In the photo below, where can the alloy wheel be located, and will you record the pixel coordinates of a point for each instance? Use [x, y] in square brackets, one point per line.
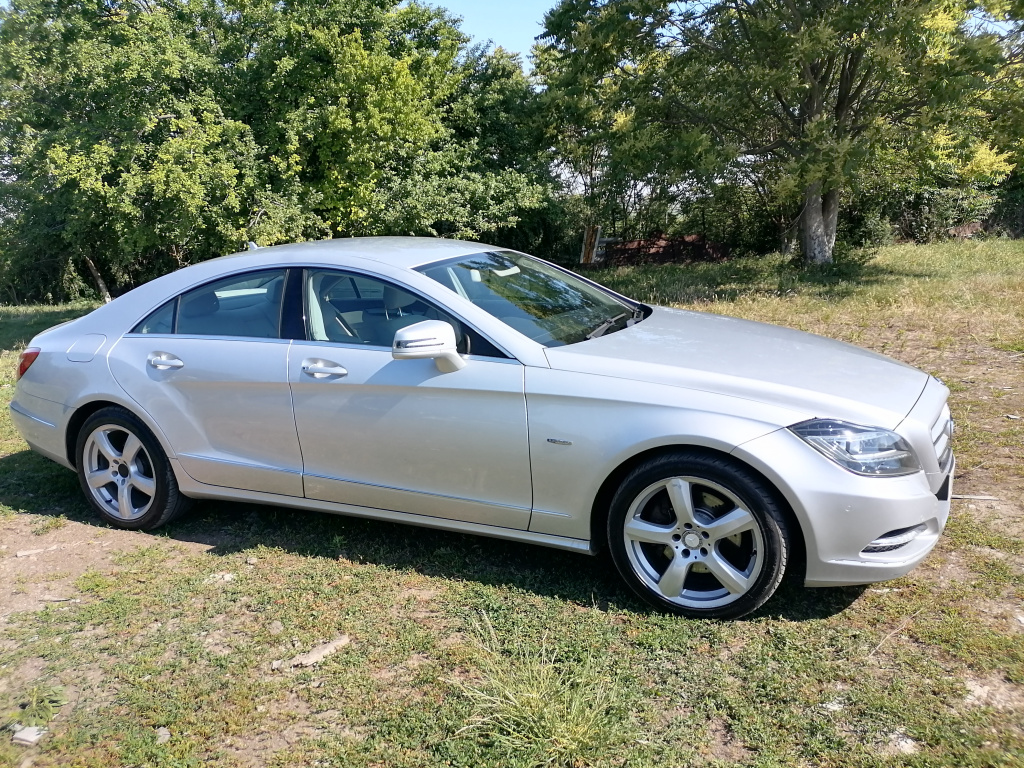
[119, 472]
[693, 542]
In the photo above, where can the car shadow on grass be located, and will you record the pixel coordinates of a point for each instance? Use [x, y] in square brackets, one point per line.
[31, 484]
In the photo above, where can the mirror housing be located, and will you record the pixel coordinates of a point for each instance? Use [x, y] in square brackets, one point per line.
[434, 339]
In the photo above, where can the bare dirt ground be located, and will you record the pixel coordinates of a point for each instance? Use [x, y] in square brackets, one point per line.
[40, 569]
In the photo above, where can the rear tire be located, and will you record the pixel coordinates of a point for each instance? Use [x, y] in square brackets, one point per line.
[124, 472]
[698, 535]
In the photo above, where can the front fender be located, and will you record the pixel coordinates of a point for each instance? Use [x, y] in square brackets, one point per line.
[583, 427]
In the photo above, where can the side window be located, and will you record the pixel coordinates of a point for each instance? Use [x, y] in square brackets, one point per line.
[240, 305]
[355, 309]
[160, 320]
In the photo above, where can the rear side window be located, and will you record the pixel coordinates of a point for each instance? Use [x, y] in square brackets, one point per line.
[240, 305]
[160, 321]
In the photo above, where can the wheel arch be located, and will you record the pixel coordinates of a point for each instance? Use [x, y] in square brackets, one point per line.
[603, 499]
[84, 410]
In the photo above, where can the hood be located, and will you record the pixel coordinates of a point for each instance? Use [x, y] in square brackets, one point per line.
[811, 375]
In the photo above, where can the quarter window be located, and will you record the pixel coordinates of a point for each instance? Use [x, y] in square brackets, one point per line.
[160, 321]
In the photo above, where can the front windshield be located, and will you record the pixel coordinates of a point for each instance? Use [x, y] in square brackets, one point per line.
[549, 305]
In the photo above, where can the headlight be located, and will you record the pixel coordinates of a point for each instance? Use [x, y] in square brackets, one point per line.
[863, 450]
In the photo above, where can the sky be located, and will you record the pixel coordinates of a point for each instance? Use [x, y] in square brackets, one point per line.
[512, 24]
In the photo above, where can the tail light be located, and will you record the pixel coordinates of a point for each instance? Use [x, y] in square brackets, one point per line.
[26, 359]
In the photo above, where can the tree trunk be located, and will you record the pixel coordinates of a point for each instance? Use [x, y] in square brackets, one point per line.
[100, 285]
[830, 212]
[590, 237]
[818, 224]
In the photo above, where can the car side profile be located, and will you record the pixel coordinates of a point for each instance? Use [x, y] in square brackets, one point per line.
[467, 387]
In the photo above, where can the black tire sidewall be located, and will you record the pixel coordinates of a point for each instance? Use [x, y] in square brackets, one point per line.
[731, 476]
[162, 472]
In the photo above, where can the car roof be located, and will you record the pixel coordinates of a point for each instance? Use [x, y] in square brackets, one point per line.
[402, 252]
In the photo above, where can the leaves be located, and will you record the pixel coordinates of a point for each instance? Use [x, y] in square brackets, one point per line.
[779, 97]
[39, 705]
[145, 137]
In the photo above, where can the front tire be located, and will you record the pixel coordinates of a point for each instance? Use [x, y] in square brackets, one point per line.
[698, 535]
[124, 472]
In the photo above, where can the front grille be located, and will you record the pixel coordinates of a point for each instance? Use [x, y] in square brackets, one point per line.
[942, 434]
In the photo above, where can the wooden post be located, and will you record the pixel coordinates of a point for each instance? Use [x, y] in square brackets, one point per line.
[590, 237]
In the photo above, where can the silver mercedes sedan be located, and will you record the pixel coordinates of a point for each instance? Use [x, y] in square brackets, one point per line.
[462, 386]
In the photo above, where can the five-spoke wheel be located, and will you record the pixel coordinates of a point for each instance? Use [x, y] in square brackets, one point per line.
[698, 535]
[124, 472]
[119, 472]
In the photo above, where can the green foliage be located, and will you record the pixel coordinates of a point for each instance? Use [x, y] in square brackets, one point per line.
[144, 137]
[118, 148]
[1008, 215]
[795, 102]
[39, 705]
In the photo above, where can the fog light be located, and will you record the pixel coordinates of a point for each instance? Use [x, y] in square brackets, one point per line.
[895, 539]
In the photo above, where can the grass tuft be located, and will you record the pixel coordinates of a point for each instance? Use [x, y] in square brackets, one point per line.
[50, 524]
[546, 710]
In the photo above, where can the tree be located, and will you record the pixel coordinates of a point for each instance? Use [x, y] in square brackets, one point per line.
[116, 147]
[143, 135]
[621, 167]
[801, 92]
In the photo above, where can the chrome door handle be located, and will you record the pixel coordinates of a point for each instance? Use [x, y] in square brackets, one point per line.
[163, 361]
[322, 368]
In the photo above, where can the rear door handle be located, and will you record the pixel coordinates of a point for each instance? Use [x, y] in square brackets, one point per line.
[320, 369]
[163, 361]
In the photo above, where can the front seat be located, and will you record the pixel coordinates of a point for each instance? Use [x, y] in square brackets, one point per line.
[380, 325]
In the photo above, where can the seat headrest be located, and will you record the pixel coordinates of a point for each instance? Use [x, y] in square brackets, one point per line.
[396, 298]
[327, 282]
[199, 306]
[275, 289]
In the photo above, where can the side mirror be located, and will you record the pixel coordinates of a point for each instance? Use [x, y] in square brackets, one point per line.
[433, 339]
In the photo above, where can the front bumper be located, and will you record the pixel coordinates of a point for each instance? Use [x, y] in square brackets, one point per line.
[841, 514]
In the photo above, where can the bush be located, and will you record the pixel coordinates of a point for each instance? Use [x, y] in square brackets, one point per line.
[928, 214]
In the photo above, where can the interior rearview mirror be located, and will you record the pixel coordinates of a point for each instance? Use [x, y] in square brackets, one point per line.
[433, 339]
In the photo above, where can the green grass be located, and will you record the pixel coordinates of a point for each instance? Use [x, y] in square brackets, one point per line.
[19, 324]
[543, 710]
[472, 652]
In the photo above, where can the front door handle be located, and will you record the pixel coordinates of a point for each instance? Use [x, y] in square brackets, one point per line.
[320, 369]
[164, 361]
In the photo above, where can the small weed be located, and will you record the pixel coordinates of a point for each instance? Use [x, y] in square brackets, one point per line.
[1012, 345]
[94, 582]
[50, 524]
[966, 531]
[151, 555]
[39, 705]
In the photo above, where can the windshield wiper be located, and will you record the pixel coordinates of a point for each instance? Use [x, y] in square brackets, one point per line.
[606, 325]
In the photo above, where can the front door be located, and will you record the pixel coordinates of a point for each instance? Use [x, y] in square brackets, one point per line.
[399, 434]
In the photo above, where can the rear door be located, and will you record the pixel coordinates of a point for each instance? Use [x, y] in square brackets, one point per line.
[211, 369]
